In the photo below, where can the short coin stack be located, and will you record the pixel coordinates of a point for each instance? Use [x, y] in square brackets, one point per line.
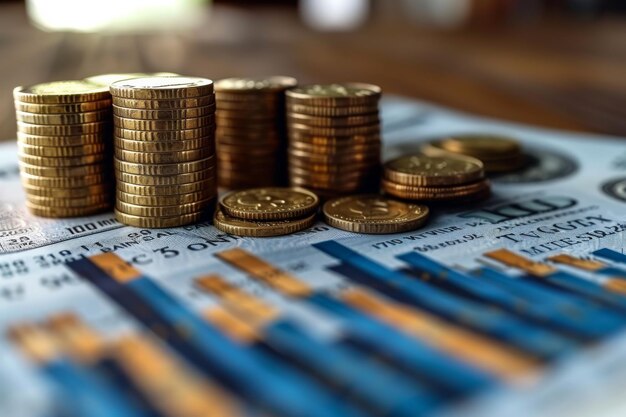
[334, 137]
[450, 178]
[251, 133]
[374, 214]
[499, 154]
[164, 150]
[64, 142]
[264, 212]
[108, 79]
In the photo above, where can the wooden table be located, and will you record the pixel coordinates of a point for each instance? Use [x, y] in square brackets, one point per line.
[569, 75]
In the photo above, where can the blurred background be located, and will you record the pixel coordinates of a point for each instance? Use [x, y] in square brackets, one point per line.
[555, 63]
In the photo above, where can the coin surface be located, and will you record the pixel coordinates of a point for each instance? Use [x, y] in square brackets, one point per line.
[347, 94]
[169, 114]
[159, 222]
[61, 92]
[56, 141]
[164, 135]
[269, 203]
[69, 161]
[87, 106]
[164, 169]
[63, 119]
[334, 131]
[61, 151]
[173, 124]
[70, 171]
[63, 130]
[476, 145]
[175, 87]
[375, 214]
[163, 211]
[332, 111]
[326, 121]
[173, 104]
[409, 192]
[66, 202]
[150, 180]
[206, 142]
[67, 192]
[242, 227]
[163, 157]
[424, 170]
[167, 190]
[166, 200]
[247, 85]
[83, 181]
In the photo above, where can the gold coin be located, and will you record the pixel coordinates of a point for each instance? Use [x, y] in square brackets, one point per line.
[108, 79]
[372, 155]
[269, 203]
[64, 202]
[158, 222]
[63, 119]
[184, 103]
[72, 161]
[374, 147]
[60, 151]
[56, 141]
[423, 170]
[373, 129]
[274, 84]
[162, 88]
[170, 200]
[207, 142]
[343, 122]
[328, 140]
[149, 180]
[163, 157]
[332, 111]
[481, 145]
[170, 114]
[74, 171]
[410, 192]
[68, 192]
[374, 214]
[166, 190]
[165, 135]
[335, 95]
[248, 124]
[163, 211]
[84, 181]
[88, 106]
[61, 92]
[164, 169]
[62, 212]
[63, 130]
[151, 125]
[242, 227]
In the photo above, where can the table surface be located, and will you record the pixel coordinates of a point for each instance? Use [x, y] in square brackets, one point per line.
[560, 74]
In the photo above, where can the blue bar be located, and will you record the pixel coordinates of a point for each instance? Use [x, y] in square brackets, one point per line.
[381, 389]
[600, 321]
[611, 255]
[612, 272]
[588, 288]
[85, 395]
[258, 377]
[408, 353]
[528, 337]
[484, 289]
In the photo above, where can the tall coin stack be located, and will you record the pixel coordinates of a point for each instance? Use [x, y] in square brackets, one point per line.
[64, 142]
[164, 150]
[334, 137]
[251, 133]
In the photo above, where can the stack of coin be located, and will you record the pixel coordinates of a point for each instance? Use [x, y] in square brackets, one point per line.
[164, 150]
[499, 154]
[334, 137]
[373, 214]
[64, 142]
[449, 178]
[251, 139]
[264, 212]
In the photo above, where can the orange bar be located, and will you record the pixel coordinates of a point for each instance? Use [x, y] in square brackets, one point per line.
[243, 332]
[489, 355]
[80, 341]
[278, 279]
[584, 264]
[115, 267]
[34, 342]
[514, 260]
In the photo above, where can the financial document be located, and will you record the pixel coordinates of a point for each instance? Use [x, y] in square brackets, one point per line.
[569, 200]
